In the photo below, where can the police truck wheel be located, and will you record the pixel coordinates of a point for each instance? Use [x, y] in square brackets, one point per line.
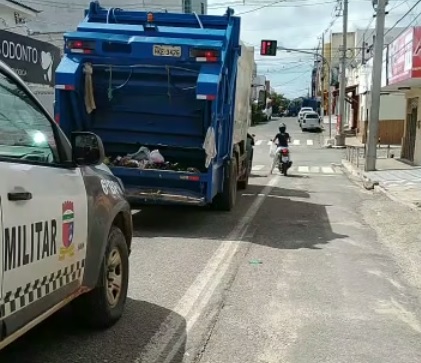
[103, 306]
[225, 201]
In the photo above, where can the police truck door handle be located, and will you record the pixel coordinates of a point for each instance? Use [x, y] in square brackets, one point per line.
[19, 196]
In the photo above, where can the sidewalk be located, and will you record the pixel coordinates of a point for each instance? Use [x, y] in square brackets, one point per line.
[399, 181]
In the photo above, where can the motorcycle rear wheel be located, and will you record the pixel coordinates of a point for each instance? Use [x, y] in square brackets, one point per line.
[284, 169]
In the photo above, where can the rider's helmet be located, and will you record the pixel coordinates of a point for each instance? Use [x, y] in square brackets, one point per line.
[282, 128]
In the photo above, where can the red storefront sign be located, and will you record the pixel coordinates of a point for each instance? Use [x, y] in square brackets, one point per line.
[400, 57]
[416, 55]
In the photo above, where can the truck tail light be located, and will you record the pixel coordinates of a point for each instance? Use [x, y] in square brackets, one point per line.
[205, 55]
[80, 46]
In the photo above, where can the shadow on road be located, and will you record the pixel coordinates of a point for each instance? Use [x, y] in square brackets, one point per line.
[50, 341]
[281, 222]
[286, 223]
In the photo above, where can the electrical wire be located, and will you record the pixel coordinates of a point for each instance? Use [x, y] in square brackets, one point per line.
[360, 43]
[405, 29]
[292, 80]
[403, 17]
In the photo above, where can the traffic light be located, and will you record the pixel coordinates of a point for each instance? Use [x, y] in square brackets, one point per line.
[268, 47]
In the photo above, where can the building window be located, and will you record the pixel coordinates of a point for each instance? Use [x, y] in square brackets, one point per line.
[187, 6]
[202, 8]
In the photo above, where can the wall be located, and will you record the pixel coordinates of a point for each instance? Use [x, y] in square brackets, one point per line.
[327, 52]
[336, 43]
[8, 21]
[59, 16]
[200, 6]
[392, 110]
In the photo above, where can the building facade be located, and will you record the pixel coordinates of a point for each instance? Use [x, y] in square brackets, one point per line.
[33, 60]
[358, 85]
[404, 77]
[14, 15]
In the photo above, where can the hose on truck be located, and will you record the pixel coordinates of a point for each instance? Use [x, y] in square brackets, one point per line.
[89, 88]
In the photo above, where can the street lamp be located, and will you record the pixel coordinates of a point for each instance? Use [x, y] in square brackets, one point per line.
[329, 98]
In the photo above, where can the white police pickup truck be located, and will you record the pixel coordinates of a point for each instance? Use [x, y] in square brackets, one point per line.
[65, 226]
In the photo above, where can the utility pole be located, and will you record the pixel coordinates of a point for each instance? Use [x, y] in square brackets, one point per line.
[340, 137]
[322, 79]
[373, 122]
[363, 50]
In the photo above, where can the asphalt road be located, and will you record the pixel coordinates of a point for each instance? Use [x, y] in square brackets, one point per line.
[295, 274]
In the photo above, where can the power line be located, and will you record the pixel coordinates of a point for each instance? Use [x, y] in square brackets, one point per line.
[292, 80]
[360, 43]
[403, 17]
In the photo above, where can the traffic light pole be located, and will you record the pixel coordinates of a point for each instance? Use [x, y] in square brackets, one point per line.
[329, 98]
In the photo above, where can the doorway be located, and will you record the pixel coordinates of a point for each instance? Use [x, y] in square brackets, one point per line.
[408, 147]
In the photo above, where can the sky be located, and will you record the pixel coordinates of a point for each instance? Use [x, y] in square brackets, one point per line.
[300, 24]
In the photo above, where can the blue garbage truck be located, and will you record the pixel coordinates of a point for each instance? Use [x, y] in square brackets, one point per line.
[170, 96]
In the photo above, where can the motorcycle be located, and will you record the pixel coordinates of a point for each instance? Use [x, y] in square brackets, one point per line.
[282, 160]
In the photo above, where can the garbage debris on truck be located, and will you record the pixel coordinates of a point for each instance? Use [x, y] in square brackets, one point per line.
[146, 159]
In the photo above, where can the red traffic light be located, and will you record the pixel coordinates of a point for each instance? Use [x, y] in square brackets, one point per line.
[268, 47]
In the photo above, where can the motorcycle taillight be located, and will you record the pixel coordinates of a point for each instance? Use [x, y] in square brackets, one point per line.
[285, 152]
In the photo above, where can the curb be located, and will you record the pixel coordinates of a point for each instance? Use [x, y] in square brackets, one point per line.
[397, 200]
[351, 170]
[369, 184]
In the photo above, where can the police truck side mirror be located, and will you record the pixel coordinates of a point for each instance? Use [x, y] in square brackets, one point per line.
[87, 148]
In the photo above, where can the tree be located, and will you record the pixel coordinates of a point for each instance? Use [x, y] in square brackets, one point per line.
[279, 102]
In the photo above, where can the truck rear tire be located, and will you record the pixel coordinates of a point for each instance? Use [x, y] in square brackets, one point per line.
[103, 306]
[225, 201]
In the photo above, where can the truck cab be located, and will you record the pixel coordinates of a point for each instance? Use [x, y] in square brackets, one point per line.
[61, 218]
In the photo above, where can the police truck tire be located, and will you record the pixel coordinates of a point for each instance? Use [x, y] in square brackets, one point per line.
[103, 306]
[225, 201]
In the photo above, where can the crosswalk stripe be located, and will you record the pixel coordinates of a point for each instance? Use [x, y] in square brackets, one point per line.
[257, 167]
[327, 170]
[295, 142]
[303, 169]
[314, 169]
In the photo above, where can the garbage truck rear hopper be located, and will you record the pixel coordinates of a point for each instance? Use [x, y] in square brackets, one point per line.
[169, 94]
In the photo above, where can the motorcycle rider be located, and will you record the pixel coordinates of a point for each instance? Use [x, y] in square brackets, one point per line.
[281, 140]
[282, 137]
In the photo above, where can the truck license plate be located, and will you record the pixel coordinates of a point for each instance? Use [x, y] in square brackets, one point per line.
[166, 51]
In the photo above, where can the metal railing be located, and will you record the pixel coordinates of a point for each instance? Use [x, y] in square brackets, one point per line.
[356, 154]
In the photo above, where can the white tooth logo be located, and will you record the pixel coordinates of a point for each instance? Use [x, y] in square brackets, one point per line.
[47, 65]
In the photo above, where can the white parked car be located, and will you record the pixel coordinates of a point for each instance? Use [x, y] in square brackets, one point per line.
[301, 113]
[310, 121]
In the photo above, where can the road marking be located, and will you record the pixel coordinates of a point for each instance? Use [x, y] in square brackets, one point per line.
[200, 292]
[296, 142]
[269, 143]
[314, 169]
[327, 170]
[258, 142]
[257, 167]
[309, 142]
[303, 169]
